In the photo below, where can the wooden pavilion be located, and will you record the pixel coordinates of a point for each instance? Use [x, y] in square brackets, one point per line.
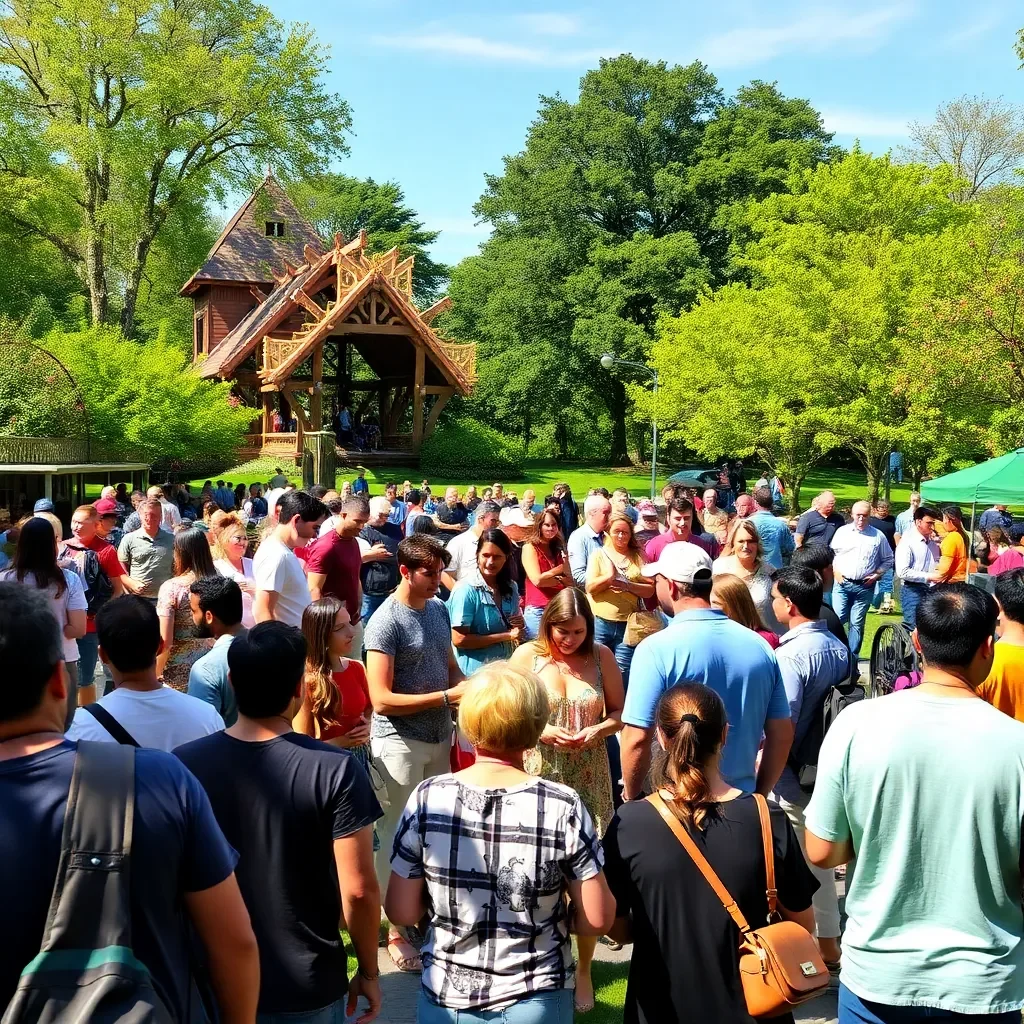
[280, 315]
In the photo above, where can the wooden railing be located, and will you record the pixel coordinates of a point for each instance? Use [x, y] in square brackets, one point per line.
[276, 351]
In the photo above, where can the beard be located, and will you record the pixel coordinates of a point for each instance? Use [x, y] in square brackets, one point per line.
[203, 631]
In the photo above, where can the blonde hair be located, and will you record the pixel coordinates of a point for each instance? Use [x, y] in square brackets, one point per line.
[751, 531]
[221, 528]
[58, 529]
[503, 709]
[734, 597]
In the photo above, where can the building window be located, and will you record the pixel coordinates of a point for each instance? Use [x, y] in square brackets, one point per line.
[275, 229]
[200, 340]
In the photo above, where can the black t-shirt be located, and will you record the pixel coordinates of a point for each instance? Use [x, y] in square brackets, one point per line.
[886, 526]
[685, 963]
[381, 577]
[177, 848]
[452, 516]
[818, 529]
[282, 803]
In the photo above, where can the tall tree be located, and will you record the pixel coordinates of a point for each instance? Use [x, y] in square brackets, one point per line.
[114, 116]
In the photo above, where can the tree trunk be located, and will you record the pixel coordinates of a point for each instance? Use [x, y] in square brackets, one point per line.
[615, 399]
[526, 433]
[96, 278]
[793, 489]
[562, 439]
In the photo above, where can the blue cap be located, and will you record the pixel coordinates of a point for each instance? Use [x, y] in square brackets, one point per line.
[43, 505]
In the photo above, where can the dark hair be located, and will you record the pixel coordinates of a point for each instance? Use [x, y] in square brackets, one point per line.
[36, 553]
[1010, 594]
[814, 556]
[301, 504]
[700, 589]
[421, 551]
[487, 507]
[1017, 533]
[763, 497]
[680, 504]
[415, 496]
[564, 607]
[924, 510]
[129, 632]
[536, 538]
[192, 554]
[802, 586]
[508, 572]
[953, 621]
[953, 511]
[220, 595]
[318, 491]
[424, 524]
[356, 503]
[31, 648]
[334, 506]
[692, 718]
[266, 664]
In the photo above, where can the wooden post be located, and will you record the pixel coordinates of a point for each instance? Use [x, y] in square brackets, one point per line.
[316, 399]
[267, 414]
[417, 399]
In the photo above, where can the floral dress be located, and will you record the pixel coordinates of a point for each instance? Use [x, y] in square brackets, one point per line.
[188, 646]
[586, 771]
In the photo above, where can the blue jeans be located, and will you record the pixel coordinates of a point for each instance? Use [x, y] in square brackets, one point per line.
[88, 656]
[850, 602]
[371, 602]
[854, 1010]
[910, 597]
[613, 636]
[882, 587]
[532, 614]
[555, 1007]
[334, 1013]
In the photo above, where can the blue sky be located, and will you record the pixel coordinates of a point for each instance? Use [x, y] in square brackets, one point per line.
[440, 89]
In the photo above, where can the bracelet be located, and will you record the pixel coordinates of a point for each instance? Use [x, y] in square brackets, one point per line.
[444, 699]
[368, 977]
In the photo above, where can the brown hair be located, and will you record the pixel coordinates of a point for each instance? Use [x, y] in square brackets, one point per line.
[692, 719]
[192, 554]
[735, 599]
[87, 510]
[564, 607]
[421, 551]
[317, 626]
[997, 535]
[750, 529]
[636, 553]
[536, 538]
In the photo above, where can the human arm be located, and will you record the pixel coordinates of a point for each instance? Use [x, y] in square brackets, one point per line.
[360, 905]
[600, 573]
[75, 606]
[464, 604]
[778, 740]
[578, 557]
[531, 565]
[167, 636]
[380, 669]
[264, 604]
[614, 698]
[316, 581]
[635, 752]
[949, 552]
[377, 553]
[802, 525]
[76, 624]
[595, 906]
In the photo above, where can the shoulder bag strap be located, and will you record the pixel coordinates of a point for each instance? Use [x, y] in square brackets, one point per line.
[700, 860]
[111, 724]
[769, 853]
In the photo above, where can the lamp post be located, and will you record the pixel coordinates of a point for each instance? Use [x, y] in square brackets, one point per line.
[609, 360]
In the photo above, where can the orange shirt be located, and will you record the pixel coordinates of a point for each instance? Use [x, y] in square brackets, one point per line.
[1004, 687]
[953, 563]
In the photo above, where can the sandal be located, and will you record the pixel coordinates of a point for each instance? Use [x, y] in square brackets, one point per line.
[403, 955]
[584, 1007]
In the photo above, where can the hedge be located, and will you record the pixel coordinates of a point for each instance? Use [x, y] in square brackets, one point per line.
[471, 450]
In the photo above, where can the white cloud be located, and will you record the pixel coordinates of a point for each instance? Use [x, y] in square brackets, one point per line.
[550, 24]
[969, 32]
[865, 124]
[817, 31]
[455, 44]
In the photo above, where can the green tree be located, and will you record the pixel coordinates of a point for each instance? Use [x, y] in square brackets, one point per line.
[112, 117]
[338, 202]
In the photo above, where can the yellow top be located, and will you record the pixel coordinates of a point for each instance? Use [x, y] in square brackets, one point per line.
[612, 605]
[953, 563]
[1004, 688]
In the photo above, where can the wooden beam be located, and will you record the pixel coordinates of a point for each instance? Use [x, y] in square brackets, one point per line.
[417, 397]
[297, 410]
[316, 399]
[258, 294]
[437, 389]
[309, 305]
[311, 254]
[439, 403]
[439, 307]
[395, 329]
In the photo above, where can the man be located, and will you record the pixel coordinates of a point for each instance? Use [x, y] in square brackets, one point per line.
[106, 522]
[952, 567]
[452, 516]
[745, 506]
[378, 575]
[929, 782]
[84, 538]
[862, 556]
[333, 562]
[359, 485]
[225, 496]
[216, 606]
[647, 527]
[264, 780]
[140, 710]
[278, 480]
[702, 645]
[819, 558]
[415, 509]
[917, 556]
[679, 519]
[1004, 687]
[997, 515]
[177, 849]
[819, 522]
[621, 503]
[885, 523]
[906, 518]
[462, 549]
[589, 537]
[133, 521]
[776, 540]
[282, 592]
[811, 661]
[738, 478]
[398, 509]
[171, 515]
[521, 514]
[716, 520]
[726, 495]
[414, 682]
[148, 553]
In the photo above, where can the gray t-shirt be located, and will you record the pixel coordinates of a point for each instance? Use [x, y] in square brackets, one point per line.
[419, 642]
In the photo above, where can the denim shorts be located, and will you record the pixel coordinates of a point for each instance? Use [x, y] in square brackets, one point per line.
[554, 1007]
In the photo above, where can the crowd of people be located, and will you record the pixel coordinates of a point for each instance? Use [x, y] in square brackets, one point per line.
[482, 720]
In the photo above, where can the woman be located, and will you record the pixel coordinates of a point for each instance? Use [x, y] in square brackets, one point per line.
[484, 606]
[616, 588]
[1013, 556]
[255, 506]
[546, 565]
[228, 545]
[35, 565]
[730, 594]
[685, 964]
[998, 543]
[502, 952]
[585, 698]
[742, 557]
[183, 643]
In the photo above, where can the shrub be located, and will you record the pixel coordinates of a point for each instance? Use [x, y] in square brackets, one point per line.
[468, 449]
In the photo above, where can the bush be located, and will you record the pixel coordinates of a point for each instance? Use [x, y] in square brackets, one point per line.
[467, 449]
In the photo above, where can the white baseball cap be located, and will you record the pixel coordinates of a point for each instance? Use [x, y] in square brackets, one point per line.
[681, 562]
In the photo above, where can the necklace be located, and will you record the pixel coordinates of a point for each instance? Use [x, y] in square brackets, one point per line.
[950, 686]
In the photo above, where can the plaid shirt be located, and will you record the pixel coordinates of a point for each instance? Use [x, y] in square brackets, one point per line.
[496, 863]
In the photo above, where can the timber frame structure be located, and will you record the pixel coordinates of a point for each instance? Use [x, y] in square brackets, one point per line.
[299, 333]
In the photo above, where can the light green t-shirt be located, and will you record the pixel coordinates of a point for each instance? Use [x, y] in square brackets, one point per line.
[931, 792]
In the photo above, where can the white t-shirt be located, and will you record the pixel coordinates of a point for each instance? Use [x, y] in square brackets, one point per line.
[170, 517]
[328, 525]
[276, 567]
[225, 568]
[463, 551]
[73, 599]
[162, 719]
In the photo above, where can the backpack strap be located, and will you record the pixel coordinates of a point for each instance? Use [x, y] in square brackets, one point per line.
[120, 734]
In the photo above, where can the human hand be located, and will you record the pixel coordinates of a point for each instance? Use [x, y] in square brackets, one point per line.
[246, 585]
[379, 551]
[556, 736]
[370, 991]
[516, 621]
[358, 735]
[455, 692]
[514, 634]
[619, 585]
[589, 736]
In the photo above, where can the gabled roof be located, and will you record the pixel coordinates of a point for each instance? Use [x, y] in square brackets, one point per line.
[244, 253]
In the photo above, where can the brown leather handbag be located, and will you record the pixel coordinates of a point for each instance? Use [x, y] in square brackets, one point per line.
[780, 966]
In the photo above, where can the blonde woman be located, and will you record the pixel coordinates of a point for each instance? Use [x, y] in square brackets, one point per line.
[743, 557]
[616, 588]
[229, 543]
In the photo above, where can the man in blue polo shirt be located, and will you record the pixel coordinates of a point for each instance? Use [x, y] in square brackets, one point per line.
[702, 645]
[776, 540]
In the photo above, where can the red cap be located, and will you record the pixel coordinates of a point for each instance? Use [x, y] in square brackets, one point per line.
[106, 507]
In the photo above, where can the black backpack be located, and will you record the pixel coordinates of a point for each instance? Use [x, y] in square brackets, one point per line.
[837, 697]
[86, 972]
[98, 588]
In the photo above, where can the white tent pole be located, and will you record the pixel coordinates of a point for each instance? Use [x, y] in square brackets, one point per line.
[970, 546]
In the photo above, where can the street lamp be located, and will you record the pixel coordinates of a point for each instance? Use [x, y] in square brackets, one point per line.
[609, 360]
